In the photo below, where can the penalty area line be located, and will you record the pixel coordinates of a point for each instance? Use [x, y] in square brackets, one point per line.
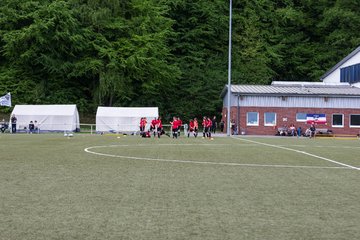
[298, 151]
[201, 162]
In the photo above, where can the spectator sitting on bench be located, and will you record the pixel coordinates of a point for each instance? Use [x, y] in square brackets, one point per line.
[312, 130]
[3, 126]
[292, 130]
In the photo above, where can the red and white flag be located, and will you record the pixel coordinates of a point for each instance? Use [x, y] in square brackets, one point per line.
[316, 119]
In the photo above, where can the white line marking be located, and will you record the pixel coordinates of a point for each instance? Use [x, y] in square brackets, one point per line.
[320, 146]
[196, 162]
[298, 151]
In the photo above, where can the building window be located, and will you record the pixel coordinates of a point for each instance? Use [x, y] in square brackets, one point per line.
[354, 120]
[338, 120]
[350, 74]
[301, 117]
[252, 119]
[269, 119]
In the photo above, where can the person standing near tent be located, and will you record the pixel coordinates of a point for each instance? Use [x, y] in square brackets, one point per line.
[3, 126]
[153, 126]
[36, 127]
[13, 123]
[142, 125]
[31, 127]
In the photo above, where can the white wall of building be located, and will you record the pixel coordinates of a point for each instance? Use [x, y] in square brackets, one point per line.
[334, 77]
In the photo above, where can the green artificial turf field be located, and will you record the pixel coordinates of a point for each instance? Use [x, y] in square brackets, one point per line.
[105, 187]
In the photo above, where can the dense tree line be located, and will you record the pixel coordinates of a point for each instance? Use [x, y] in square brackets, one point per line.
[167, 53]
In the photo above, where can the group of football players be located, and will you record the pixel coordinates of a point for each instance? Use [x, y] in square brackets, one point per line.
[156, 127]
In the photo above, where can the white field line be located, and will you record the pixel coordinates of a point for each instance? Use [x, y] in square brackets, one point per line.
[298, 151]
[317, 146]
[88, 150]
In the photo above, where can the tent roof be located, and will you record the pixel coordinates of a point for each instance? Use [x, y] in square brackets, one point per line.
[127, 112]
[59, 110]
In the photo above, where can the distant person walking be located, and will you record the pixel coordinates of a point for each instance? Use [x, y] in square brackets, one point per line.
[222, 125]
[213, 125]
[13, 123]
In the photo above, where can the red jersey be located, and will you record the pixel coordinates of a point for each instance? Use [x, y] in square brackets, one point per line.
[192, 125]
[175, 124]
[143, 122]
[204, 122]
[154, 122]
[159, 123]
[208, 123]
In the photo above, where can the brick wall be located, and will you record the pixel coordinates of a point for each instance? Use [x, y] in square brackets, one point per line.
[290, 115]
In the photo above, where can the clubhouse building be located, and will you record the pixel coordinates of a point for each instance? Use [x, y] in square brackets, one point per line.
[332, 104]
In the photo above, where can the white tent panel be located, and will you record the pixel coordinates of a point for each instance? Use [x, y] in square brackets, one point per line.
[123, 119]
[48, 117]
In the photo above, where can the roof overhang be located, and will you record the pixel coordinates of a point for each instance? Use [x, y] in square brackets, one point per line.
[339, 64]
[293, 90]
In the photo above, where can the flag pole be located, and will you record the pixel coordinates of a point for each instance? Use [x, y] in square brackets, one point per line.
[229, 72]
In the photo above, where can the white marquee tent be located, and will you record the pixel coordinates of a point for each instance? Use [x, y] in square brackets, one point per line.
[123, 119]
[48, 117]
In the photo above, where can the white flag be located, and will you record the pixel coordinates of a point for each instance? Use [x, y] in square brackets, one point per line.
[5, 100]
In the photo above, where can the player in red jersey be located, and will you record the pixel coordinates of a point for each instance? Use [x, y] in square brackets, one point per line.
[153, 126]
[191, 127]
[174, 127]
[159, 127]
[179, 125]
[205, 130]
[208, 127]
[142, 125]
[196, 127]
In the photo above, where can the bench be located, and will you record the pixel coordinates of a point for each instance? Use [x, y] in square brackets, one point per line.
[323, 132]
[282, 131]
[346, 136]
